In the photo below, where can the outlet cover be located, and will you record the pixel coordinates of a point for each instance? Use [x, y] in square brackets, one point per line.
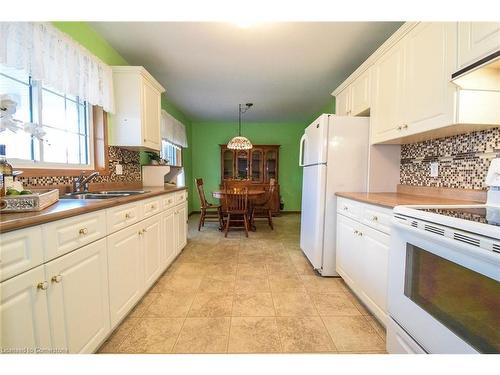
[434, 169]
[119, 169]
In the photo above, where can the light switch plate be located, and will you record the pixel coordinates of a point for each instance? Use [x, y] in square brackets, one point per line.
[434, 169]
[119, 169]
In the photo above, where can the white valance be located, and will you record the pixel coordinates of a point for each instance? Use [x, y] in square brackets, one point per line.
[52, 57]
[172, 130]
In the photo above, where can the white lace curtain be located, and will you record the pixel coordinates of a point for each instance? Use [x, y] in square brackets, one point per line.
[52, 57]
[172, 130]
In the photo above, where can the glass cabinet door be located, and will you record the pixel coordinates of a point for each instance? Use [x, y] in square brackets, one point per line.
[242, 165]
[271, 164]
[257, 166]
[228, 164]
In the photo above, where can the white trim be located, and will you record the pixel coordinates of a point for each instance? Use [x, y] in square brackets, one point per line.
[141, 70]
[393, 39]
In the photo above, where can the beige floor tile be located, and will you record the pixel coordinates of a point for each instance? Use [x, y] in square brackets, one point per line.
[141, 307]
[211, 305]
[254, 335]
[283, 268]
[183, 283]
[112, 344]
[363, 310]
[152, 335]
[203, 335]
[220, 268]
[335, 304]
[323, 285]
[251, 283]
[294, 304]
[379, 328]
[253, 304]
[353, 334]
[217, 283]
[304, 335]
[285, 283]
[188, 268]
[170, 304]
[249, 269]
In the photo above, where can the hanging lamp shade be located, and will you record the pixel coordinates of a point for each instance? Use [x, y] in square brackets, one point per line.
[239, 142]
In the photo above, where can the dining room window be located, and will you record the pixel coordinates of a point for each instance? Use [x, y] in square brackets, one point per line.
[65, 120]
[172, 153]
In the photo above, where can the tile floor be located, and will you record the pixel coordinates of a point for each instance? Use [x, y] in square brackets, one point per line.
[239, 295]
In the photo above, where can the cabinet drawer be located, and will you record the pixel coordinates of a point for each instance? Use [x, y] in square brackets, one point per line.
[180, 196]
[349, 208]
[377, 217]
[150, 207]
[122, 216]
[20, 250]
[168, 201]
[62, 236]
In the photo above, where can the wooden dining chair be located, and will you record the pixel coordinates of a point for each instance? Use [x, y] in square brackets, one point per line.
[236, 209]
[208, 210]
[236, 184]
[263, 208]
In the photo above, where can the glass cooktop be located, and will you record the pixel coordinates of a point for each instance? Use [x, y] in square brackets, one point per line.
[485, 215]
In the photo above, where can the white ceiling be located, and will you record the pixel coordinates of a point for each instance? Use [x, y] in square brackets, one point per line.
[288, 70]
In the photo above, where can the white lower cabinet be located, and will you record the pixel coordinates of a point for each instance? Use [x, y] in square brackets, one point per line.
[78, 299]
[24, 313]
[126, 271]
[363, 254]
[90, 280]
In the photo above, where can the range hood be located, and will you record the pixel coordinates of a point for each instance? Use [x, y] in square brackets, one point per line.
[482, 75]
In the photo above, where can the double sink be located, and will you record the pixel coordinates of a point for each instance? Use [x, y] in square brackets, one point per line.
[102, 194]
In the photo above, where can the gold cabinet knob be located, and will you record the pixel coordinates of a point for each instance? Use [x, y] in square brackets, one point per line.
[346, 208]
[400, 127]
[405, 126]
[43, 285]
[153, 206]
[56, 278]
[83, 231]
[144, 231]
[127, 216]
[374, 218]
[356, 232]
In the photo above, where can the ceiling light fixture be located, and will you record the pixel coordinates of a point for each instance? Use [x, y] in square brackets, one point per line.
[239, 142]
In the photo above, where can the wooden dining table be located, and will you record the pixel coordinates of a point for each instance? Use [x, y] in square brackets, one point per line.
[252, 196]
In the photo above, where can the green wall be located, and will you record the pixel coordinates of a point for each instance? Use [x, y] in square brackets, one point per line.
[205, 140]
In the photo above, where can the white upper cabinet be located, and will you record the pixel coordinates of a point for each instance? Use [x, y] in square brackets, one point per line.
[387, 94]
[360, 94]
[430, 59]
[343, 102]
[477, 40]
[136, 121]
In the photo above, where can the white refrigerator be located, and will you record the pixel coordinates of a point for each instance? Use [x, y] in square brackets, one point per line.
[334, 157]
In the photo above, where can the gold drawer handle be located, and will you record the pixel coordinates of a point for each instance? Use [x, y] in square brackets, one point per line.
[43, 285]
[374, 218]
[140, 233]
[346, 208]
[56, 279]
[83, 231]
[144, 231]
[153, 206]
[127, 216]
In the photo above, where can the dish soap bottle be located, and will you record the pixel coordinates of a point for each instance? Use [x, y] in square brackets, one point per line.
[6, 172]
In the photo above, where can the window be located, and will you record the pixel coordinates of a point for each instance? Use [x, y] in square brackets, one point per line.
[65, 119]
[171, 152]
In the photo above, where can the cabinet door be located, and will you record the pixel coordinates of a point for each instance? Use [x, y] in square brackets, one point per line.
[227, 164]
[151, 116]
[360, 94]
[242, 164]
[78, 298]
[125, 271]
[477, 40]
[257, 166]
[169, 243]
[343, 102]
[387, 89]
[375, 255]
[24, 314]
[347, 257]
[152, 245]
[271, 165]
[430, 60]
[181, 226]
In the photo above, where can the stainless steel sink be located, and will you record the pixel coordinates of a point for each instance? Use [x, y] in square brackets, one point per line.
[102, 194]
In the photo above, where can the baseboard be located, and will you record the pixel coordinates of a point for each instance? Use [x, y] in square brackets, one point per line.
[281, 212]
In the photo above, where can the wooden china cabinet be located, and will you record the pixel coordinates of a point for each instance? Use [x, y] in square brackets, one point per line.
[257, 165]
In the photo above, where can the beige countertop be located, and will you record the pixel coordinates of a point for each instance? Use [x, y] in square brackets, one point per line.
[392, 200]
[71, 207]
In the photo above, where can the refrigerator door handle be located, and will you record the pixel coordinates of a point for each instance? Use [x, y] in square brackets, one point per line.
[301, 152]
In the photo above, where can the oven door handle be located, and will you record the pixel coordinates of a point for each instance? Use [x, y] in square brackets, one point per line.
[459, 246]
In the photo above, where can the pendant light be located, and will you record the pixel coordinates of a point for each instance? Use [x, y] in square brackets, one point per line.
[240, 142]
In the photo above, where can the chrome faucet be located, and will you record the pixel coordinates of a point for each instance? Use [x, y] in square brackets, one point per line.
[81, 183]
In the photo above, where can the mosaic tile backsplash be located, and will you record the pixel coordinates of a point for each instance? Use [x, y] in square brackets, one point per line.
[463, 160]
[129, 160]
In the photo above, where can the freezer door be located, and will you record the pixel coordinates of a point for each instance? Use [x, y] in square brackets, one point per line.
[314, 144]
[313, 212]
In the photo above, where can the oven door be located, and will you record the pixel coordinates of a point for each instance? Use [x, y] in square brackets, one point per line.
[444, 293]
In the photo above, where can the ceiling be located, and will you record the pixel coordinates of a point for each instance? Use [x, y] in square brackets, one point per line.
[287, 69]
